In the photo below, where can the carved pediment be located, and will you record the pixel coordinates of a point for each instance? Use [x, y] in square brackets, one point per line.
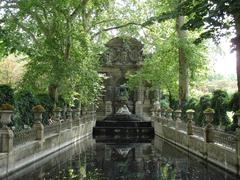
[123, 51]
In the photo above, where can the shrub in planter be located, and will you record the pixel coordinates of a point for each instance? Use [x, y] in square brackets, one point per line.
[6, 94]
[47, 103]
[219, 103]
[204, 103]
[24, 102]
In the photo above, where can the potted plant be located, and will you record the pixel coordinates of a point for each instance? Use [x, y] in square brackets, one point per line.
[6, 111]
[38, 110]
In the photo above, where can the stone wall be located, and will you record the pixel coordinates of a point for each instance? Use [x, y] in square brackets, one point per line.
[219, 152]
[29, 152]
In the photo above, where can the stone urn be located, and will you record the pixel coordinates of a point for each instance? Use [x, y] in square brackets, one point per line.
[57, 113]
[169, 112]
[209, 113]
[190, 115]
[6, 117]
[38, 110]
[6, 112]
[77, 114]
[178, 114]
[69, 113]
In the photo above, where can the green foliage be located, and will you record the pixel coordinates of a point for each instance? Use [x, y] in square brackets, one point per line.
[6, 94]
[56, 36]
[219, 15]
[204, 103]
[24, 102]
[47, 103]
[234, 106]
[219, 103]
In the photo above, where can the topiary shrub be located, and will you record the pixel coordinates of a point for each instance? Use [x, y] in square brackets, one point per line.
[219, 103]
[24, 102]
[6, 94]
[204, 103]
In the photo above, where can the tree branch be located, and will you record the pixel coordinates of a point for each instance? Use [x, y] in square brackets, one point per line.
[78, 8]
[117, 27]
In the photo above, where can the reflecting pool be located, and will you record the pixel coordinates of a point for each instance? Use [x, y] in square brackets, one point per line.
[113, 161]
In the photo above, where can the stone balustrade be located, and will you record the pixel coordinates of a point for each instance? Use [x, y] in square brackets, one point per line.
[218, 147]
[21, 148]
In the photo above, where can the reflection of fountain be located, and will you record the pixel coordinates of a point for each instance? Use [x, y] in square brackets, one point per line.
[124, 151]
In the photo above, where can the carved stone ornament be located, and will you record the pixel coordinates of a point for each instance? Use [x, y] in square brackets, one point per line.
[123, 51]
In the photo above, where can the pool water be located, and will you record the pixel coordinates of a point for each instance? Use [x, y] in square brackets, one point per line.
[153, 160]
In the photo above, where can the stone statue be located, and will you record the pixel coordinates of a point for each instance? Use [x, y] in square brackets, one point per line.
[124, 110]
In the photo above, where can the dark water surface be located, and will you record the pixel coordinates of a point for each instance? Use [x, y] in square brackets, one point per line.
[108, 161]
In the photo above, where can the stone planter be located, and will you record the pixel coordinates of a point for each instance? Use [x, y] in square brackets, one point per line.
[69, 113]
[190, 115]
[57, 114]
[38, 116]
[209, 117]
[209, 127]
[178, 115]
[6, 117]
[77, 114]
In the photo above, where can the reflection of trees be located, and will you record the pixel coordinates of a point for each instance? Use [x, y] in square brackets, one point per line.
[168, 172]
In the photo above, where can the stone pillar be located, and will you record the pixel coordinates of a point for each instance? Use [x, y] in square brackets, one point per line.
[139, 108]
[108, 108]
[69, 117]
[178, 114]
[6, 134]
[6, 140]
[57, 117]
[209, 129]
[140, 94]
[190, 114]
[238, 148]
[39, 128]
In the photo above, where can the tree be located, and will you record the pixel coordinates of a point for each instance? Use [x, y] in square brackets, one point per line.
[55, 35]
[217, 18]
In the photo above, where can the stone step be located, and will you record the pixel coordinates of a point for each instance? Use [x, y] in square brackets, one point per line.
[123, 124]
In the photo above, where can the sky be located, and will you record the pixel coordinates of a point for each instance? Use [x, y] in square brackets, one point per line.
[222, 59]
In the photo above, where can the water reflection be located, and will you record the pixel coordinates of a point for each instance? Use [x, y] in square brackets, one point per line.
[111, 161]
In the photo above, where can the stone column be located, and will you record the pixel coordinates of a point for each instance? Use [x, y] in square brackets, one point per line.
[6, 140]
[108, 108]
[209, 129]
[238, 148]
[178, 114]
[190, 114]
[6, 134]
[38, 126]
[139, 108]
[69, 117]
[77, 115]
[57, 117]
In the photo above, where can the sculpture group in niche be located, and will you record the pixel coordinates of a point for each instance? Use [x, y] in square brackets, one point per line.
[123, 51]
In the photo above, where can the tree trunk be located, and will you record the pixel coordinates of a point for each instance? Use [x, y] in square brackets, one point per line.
[53, 93]
[237, 43]
[183, 65]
